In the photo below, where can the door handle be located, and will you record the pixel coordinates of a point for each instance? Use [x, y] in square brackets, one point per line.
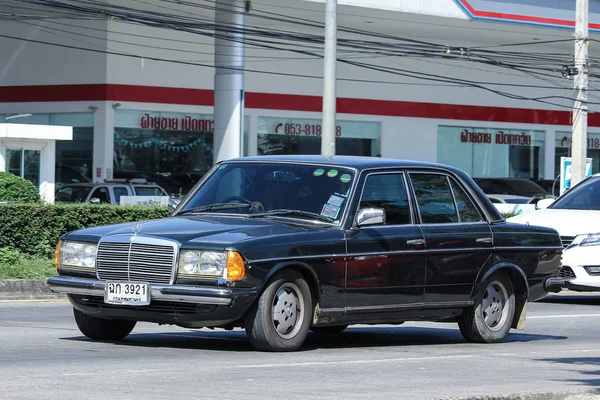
[415, 242]
[485, 240]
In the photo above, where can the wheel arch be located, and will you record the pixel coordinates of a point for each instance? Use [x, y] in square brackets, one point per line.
[307, 272]
[521, 289]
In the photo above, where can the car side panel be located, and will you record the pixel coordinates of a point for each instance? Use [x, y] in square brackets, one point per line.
[535, 250]
[322, 252]
[455, 255]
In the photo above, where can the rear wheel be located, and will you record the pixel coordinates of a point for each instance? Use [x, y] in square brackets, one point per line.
[329, 330]
[102, 329]
[280, 319]
[490, 318]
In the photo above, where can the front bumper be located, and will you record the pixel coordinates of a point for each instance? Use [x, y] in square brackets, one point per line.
[577, 258]
[172, 293]
[554, 284]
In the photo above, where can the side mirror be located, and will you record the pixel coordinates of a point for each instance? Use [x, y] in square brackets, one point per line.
[370, 216]
[95, 200]
[544, 203]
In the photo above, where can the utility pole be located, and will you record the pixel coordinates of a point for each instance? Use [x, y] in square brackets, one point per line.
[229, 79]
[329, 80]
[580, 108]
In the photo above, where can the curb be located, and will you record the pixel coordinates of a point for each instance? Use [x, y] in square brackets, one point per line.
[26, 289]
[583, 394]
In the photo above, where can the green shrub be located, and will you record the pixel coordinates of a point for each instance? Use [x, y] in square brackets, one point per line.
[34, 229]
[15, 188]
[507, 215]
[9, 256]
[26, 267]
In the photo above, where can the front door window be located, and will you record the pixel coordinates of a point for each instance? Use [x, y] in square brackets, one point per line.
[24, 163]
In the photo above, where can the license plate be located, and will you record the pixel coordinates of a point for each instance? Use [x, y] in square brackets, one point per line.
[127, 293]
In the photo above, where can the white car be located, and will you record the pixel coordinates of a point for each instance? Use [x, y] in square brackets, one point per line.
[576, 217]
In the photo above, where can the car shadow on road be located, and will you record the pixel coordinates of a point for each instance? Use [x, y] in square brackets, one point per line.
[579, 299]
[353, 337]
[589, 377]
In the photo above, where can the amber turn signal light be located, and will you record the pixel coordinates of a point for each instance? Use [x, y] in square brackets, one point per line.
[56, 255]
[236, 268]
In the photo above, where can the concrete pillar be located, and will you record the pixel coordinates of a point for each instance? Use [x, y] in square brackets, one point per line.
[229, 79]
[549, 155]
[104, 142]
[48, 171]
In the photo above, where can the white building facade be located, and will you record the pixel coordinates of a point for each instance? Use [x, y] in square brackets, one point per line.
[140, 98]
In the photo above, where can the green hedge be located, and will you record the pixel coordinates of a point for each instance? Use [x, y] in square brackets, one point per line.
[15, 188]
[35, 229]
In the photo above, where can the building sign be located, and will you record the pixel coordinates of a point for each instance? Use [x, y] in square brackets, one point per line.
[500, 137]
[492, 152]
[306, 129]
[300, 127]
[563, 139]
[185, 123]
[566, 165]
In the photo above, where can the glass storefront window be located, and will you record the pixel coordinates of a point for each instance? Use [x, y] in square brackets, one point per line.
[73, 157]
[303, 136]
[487, 152]
[563, 149]
[172, 149]
[24, 163]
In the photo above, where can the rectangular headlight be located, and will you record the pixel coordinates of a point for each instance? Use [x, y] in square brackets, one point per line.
[592, 239]
[78, 256]
[195, 264]
[228, 265]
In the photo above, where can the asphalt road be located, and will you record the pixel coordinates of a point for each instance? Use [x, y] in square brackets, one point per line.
[43, 356]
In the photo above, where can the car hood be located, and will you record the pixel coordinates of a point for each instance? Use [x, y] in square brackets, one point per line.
[566, 222]
[214, 231]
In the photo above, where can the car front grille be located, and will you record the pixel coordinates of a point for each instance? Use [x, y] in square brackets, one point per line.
[567, 273]
[567, 240]
[142, 259]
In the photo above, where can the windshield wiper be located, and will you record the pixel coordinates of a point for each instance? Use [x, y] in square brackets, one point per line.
[294, 212]
[214, 207]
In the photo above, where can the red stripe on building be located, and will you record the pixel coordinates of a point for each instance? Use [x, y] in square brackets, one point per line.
[285, 102]
[522, 18]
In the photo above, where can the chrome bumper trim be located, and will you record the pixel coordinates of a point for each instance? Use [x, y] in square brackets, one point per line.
[175, 293]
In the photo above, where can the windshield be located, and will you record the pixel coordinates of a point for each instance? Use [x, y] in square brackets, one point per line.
[263, 188]
[585, 196]
[73, 194]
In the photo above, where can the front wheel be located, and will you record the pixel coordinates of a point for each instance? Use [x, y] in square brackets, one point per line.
[102, 329]
[490, 318]
[280, 319]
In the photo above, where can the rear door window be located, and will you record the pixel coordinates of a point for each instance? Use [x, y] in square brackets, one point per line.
[434, 198]
[467, 210]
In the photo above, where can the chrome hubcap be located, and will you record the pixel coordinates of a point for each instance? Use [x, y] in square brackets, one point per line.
[288, 310]
[494, 307]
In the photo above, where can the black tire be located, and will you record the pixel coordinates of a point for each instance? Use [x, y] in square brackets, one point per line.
[102, 329]
[494, 291]
[289, 332]
[329, 330]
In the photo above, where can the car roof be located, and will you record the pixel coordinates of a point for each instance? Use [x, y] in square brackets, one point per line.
[357, 162]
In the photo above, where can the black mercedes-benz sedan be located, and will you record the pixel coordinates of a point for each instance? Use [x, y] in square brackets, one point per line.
[281, 245]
